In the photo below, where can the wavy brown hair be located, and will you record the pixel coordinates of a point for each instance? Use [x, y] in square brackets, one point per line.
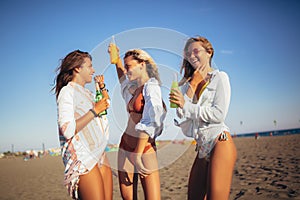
[186, 66]
[65, 72]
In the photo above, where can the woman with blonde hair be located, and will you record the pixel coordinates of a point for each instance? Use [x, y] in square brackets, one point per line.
[140, 87]
[203, 106]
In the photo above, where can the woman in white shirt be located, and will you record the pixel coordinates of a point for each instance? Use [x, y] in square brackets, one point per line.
[137, 151]
[83, 134]
[203, 104]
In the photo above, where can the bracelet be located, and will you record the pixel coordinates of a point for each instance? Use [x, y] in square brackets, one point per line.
[102, 87]
[95, 114]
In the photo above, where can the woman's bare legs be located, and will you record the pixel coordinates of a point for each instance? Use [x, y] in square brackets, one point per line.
[128, 180]
[220, 170]
[91, 185]
[128, 185]
[106, 173]
[151, 183]
[151, 186]
[197, 186]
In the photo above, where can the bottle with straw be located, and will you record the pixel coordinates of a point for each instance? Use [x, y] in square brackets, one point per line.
[174, 86]
[114, 57]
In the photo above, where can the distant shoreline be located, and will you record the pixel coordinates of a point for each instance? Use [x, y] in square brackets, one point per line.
[270, 133]
[291, 131]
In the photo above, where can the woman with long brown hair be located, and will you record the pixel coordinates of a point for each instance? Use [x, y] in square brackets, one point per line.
[203, 106]
[83, 133]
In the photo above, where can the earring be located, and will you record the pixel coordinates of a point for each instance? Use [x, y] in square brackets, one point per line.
[141, 66]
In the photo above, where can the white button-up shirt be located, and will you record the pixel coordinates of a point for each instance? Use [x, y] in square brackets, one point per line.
[83, 150]
[153, 113]
[204, 120]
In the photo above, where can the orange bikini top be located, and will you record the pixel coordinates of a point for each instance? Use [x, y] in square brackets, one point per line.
[137, 102]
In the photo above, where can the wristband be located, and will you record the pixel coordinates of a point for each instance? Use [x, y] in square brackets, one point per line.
[101, 88]
[104, 89]
[94, 113]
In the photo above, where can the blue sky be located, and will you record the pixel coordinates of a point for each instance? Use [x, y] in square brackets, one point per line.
[256, 43]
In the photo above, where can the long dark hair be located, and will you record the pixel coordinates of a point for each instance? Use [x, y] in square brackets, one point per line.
[65, 70]
[186, 66]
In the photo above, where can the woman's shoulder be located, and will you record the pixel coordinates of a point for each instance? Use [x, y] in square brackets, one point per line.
[217, 77]
[152, 81]
[66, 91]
[152, 85]
[221, 74]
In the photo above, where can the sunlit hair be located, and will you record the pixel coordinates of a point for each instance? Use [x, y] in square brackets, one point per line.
[65, 71]
[186, 66]
[142, 56]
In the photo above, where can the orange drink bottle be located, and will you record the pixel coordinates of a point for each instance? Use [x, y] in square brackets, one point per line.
[114, 57]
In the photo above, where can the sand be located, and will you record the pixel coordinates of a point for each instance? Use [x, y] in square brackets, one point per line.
[267, 168]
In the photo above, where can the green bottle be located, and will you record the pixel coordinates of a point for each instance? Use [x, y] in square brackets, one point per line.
[174, 86]
[98, 97]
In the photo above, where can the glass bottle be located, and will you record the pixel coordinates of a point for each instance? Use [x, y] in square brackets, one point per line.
[114, 57]
[174, 86]
[99, 96]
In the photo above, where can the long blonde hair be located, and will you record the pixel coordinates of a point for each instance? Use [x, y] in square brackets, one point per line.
[186, 66]
[142, 56]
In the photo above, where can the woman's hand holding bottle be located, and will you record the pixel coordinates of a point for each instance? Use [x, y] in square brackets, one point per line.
[113, 51]
[101, 105]
[176, 97]
[102, 97]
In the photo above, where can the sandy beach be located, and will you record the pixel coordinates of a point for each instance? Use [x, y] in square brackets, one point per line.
[267, 168]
